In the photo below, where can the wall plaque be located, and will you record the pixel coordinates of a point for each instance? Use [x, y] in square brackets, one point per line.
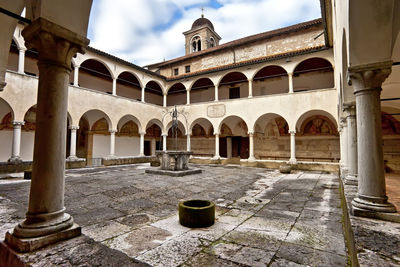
[216, 111]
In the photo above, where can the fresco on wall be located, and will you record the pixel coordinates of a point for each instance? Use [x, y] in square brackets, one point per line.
[129, 129]
[282, 125]
[6, 122]
[30, 120]
[100, 126]
[153, 131]
[318, 125]
[390, 126]
[225, 130]
[198, 131]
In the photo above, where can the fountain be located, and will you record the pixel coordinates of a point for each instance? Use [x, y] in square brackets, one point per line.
[174, 162]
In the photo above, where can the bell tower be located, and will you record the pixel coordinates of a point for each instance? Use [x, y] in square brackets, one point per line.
[201, 36]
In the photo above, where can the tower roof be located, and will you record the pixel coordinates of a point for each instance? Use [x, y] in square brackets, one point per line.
[202, 22]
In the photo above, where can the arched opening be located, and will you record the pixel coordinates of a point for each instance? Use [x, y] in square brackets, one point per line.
[127, 139]
[93, 74]
[202, 138]
[196, 44]
[313, 73]
[13, 57]
[270, 80]
[202, 91]
[211, 43]
[6, 130]
[176, 95]
[176, 140]
[271, 138]
[153, 93]
[129, 86]
[233, 85]
[233, 138]
[317, 137]
[153, 140]
[93, 141]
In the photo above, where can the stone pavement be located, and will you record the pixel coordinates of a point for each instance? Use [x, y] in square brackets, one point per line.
[264, 218]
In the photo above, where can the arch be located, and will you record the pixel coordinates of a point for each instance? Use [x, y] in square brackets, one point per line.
[128, 85]
[323, 115]
[127, 72]
[5, 109]
[176, 94]
[154, 121]
[271, 79]
[154, 93]
[232, 123]
[95, 74]
[313, 73]
[202, 90]
[181, 126]
[203, 122]
[105, 64]
[233, 85]
[30, 119]
[195, 43]
[271, 124]
[94, 115]
[127, 118]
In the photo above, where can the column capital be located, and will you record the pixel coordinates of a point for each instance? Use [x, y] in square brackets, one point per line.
[112, 131]
[349, 110]
[18, 123]
[369, 76]
[48, 37]
[250, 133]
[22, 49]
[216, 133]
[292, 132]
[142, 133]
[343, 122]
[73, 127]
[164, 134]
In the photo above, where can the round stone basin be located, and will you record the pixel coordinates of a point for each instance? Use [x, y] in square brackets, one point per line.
[196, 213]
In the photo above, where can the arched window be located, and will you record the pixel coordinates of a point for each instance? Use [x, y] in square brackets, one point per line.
[211, 42]
[196, 44]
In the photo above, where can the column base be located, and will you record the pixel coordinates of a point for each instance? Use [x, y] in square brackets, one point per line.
[29, 244]
[350, 180]
[216, 157]
[292, 161]
[72, 158]
[363, 204]
[251, 159]
[15, 160]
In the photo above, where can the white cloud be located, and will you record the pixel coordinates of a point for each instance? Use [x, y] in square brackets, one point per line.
[147, 31]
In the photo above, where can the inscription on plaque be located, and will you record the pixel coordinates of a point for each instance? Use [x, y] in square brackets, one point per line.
[216, 111]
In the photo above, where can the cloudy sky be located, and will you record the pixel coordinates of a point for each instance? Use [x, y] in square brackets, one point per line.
[148, 31]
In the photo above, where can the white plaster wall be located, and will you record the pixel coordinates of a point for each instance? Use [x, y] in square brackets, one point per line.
[101, 146]
[127, 146]
[5, 145]
[27, 141]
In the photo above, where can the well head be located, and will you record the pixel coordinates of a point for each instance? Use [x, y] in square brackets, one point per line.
[196, 213]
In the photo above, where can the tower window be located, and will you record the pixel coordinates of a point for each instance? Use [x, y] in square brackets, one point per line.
[211, 42]
[187, 68]
[176, 71]
[196, 44]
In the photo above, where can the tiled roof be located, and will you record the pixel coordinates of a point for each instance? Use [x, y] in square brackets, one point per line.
[242, 41]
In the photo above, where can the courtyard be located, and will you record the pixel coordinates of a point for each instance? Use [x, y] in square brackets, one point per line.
[263, 218]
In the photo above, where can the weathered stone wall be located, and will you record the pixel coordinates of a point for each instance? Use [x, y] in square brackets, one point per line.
[318, 148]
[203, 146]
[271, 148]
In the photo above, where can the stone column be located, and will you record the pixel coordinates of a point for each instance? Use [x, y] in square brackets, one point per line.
[164, 100]
[46, 220]
[367, 81]
[76, 76]
[114, 86]
[188, 142]
[141, 150]
[72, 148]
[216, 93]
[350, 113]
[143, 91]
[216, 156]
[229, 147]
[187, 97]
[153, 146]
[343, 147]
[112, 142]
[292, 159]
[250, 88]
[251, 144]
[16, 143]
[164, 142]
[290, 76]
[21, 61]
